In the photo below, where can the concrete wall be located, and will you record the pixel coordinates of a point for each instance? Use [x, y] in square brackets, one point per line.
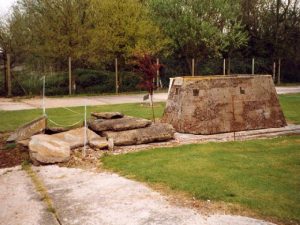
[217, 104]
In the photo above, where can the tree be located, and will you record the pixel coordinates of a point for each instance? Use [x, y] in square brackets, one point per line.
[147, 68]
[196, 27]
[123, 29]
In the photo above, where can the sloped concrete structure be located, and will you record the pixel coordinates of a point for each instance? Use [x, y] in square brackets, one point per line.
[218, 104]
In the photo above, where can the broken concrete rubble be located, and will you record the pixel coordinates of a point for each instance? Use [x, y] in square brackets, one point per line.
[29, 129]
[107, 115]
[75, 138]
[120, 124]
[45, 148]
[154, 132]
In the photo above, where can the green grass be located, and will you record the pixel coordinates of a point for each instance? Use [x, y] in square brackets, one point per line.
[261, 175]
[291, 107]
[10, 120]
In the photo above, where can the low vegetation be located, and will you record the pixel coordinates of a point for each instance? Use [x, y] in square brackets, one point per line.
[261, 175]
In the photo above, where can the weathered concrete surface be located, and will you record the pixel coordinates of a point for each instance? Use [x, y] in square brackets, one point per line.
[82, 197]
[75, 138]
[219, 104]
[29, 129]
[48, 149]
[125, 123]
[107, 115]
[20, 203]
[153, 133]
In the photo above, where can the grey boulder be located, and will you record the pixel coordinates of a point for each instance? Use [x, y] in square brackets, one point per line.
[125, 123]
[48, 149]
[107, 115]
[154, 133]
[75, 138]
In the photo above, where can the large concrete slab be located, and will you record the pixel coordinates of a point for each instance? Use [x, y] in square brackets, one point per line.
[83, 197]
[20, 203]
[219, 104]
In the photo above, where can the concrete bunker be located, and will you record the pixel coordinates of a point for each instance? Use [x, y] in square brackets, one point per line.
[219, 104]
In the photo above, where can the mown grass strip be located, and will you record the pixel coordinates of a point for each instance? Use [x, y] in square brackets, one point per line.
[261, 175]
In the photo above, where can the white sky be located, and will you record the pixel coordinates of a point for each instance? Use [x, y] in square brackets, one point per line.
[5, 6]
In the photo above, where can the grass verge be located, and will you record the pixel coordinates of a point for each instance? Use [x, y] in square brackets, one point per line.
[260, 175]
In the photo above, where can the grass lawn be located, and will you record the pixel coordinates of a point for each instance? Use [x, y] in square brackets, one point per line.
[261, 175]
[10, 120]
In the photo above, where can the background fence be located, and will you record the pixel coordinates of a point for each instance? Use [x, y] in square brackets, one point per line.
[27, 81]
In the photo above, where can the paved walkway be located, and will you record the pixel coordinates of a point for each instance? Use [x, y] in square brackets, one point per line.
[34, 103]
[90, 198]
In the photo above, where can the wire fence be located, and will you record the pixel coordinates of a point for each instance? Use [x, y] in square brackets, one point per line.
[27, 81]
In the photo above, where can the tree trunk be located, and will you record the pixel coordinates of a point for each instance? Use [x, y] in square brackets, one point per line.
[4, 74]
[278, 73]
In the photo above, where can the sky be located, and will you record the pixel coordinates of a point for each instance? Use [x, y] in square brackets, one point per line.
[4, 6]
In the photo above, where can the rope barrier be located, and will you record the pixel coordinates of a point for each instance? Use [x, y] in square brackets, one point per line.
[72, 111]
[65, 116]
[61, 125]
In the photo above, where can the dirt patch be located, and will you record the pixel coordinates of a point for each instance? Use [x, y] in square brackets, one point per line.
[11, 154]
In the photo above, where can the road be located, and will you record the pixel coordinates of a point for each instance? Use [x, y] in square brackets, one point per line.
[9, 104]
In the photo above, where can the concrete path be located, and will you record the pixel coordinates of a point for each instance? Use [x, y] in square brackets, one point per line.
[90, 198]
[34, 103]
[20, 203]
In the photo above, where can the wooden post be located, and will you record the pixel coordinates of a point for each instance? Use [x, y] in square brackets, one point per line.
[117, 79]
[8, 74]
[157, 73]
[274, 70]
[228, 66]
[193, 67]
[278, 73]
[70, 76]
[224, 66]
[253, 61]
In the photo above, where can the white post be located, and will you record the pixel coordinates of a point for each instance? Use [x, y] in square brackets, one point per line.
[85, 133]
[224, 66]
[43, 100]
[253, 61]
[157, 73]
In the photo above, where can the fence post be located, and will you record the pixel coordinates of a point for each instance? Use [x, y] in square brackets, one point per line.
[43, 100]
[274, 70]
[193, 67]
[279, 70]
[117, 79]
[85, 133]
[224, 66]
[8, 76]
[253, 61]
[157, 73]
[70, 76]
